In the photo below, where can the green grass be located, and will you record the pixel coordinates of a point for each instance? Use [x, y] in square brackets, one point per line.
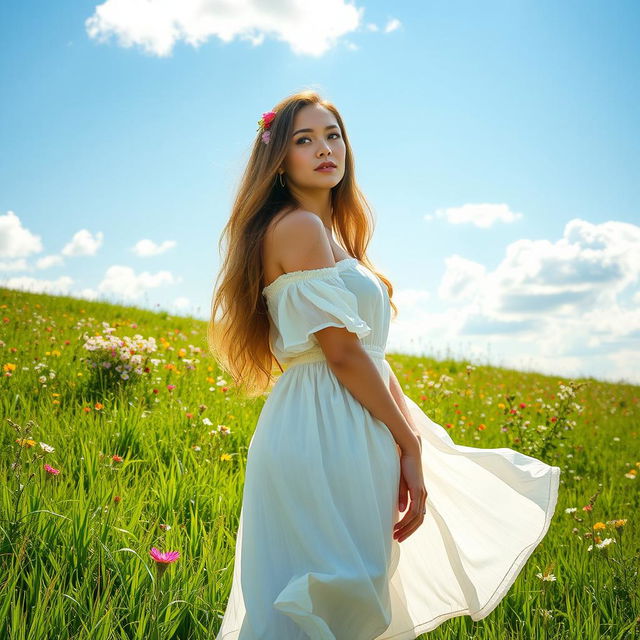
[74, 546]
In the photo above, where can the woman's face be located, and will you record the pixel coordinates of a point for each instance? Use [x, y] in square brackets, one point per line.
[320, 141]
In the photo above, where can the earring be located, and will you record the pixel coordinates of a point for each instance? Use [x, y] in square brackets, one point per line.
[280, 178]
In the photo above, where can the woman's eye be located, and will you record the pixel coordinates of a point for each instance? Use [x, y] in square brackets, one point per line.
[308, 138]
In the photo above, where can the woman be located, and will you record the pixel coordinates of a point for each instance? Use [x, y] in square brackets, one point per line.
[339, 452]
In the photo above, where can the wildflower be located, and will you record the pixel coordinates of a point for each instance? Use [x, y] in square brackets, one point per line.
[25, 442]
[631, 474]
[189, 415]
[98, 406]
[224, 429]
[171, 387]
[117, 499]
[570, 510]
[163, 559]
[599, 525]
[165, 527]
[117, 458]
[546, 577]
[225, 456]
[50, 470]
[587, 507]
[605, 543]
[207, 422]
[47, 448]
[196, 447]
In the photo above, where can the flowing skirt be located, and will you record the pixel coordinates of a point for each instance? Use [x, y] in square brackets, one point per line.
[315, 555]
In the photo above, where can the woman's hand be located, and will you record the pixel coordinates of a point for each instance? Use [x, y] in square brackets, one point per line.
[411, 486]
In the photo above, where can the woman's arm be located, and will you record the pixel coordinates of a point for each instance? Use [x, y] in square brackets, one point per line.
[398, 396]
[357, 371]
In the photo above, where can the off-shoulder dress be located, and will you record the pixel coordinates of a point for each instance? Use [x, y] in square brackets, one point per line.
[314, 554]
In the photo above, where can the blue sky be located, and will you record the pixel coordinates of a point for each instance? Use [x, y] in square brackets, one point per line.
[496, 141]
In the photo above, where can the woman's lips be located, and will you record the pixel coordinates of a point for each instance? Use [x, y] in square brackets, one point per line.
[326, 169]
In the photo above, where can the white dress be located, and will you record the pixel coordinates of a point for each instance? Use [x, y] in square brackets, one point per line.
[315, 555]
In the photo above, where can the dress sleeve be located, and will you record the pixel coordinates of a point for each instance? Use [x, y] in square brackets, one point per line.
[304, 302]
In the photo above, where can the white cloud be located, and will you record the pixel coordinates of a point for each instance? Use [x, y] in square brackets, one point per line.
[309, 28]
[481, 215]
[555, 307]
[392, 25]
[461, 278]
[83, 243]
[145, 247]
[181, 303]
[49, 261]
[87, 294]
[26, 283]
[124, 283]
[15, 240]
[409, 298]
[15, 265]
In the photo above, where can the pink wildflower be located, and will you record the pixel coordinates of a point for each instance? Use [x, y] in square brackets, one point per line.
[164, 557]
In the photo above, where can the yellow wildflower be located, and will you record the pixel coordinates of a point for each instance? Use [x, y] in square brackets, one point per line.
[25, 442]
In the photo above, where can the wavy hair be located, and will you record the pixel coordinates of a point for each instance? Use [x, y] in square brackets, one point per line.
[238, 330]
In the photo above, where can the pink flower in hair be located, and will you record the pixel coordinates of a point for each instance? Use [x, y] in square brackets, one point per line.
[264, 124]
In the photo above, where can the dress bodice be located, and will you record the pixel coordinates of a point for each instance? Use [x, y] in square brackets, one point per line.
[347, 294]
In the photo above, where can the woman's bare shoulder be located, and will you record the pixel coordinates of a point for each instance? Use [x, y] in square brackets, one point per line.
[286, 228]
[293, 217]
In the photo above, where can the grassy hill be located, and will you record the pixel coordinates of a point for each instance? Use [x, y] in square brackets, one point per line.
[102, 464]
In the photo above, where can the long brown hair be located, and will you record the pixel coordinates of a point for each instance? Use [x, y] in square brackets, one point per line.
[238, 330]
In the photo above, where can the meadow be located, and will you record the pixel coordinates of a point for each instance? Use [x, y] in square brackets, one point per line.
[123, 453]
